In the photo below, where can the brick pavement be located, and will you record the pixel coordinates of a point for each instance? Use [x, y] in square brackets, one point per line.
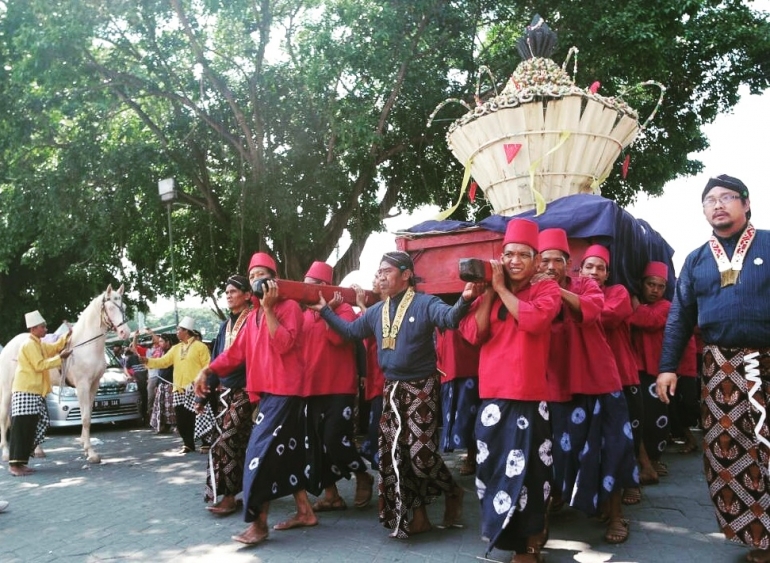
[144, 503]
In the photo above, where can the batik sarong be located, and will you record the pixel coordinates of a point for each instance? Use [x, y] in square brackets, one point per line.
[594, 443]
[369, 446]
[655, 423]
[163, 414]
[204, 421]
[228, 451]
[26, 404]
[513, 471]
[459, 406]
[276, 458]
[633, 394]
[332, 440]
[412, 471]
[736, 388]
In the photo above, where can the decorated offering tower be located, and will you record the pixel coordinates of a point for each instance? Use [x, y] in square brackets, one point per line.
[540, 148]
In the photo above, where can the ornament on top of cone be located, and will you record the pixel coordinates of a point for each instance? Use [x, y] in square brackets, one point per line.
[542, 137]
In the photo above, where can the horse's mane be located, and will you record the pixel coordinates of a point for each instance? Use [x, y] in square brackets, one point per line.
[80, 330]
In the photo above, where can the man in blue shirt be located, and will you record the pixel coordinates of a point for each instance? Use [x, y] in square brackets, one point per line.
[724, 288]
[412, 471]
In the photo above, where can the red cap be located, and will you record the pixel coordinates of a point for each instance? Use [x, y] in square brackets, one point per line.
[598, 251]
[260, 259]
[656, 269]
[320, 271]
[553, 239]
[521, 231]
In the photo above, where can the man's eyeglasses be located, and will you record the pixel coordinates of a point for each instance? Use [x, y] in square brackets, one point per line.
[723, 199]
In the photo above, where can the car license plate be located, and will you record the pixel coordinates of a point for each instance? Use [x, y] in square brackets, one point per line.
[107, 403]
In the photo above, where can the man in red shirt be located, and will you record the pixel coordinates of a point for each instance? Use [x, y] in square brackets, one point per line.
[458, 362]
[270, 345]
[331, 385]
[592, 432]
[511, 323]
[615, 316]
[647, 325]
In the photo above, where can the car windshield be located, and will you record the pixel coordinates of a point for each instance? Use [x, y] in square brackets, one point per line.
[112, 360]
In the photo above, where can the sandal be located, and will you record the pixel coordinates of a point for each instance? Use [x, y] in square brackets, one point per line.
[617, 531]
[532, 555]
[329, 505]
[631, 496]
[660, 468]
[364, 488]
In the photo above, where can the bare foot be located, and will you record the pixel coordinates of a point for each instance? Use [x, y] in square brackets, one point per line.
[252, 535]
[420, 522]
[297, 521]
[758, 556]
[648, 476]
[453, 510]
[20, 470]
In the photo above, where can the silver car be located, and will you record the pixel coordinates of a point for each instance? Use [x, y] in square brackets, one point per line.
[116, 400]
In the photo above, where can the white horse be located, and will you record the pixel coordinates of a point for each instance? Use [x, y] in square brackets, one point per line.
[83, 369]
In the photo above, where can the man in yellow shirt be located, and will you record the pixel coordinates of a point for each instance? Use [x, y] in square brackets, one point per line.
[188, 357]
[31, 383]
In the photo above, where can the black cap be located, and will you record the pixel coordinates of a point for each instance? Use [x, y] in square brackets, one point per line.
[728, 182]
[400, 260]
[239, 281]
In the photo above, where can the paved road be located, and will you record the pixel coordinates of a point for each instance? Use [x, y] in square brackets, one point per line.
[144, 503]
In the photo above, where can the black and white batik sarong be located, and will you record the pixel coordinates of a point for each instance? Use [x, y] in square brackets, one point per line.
[459, 405]
[514, 471]
[26, 404]
[594, 445]
[276, 458]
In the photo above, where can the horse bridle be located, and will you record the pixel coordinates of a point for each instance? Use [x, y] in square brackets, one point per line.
[106, 321]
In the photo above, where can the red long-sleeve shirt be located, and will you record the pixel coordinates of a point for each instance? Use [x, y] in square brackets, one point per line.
[330, 361]
[616, 313]
[274, 364]
[647, 324]
[513, 357]
[590, 366]
[455, 356]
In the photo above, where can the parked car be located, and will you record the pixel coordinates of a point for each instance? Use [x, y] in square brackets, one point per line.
[116, 400]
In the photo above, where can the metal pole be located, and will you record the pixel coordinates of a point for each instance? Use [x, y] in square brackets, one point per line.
[171, 252]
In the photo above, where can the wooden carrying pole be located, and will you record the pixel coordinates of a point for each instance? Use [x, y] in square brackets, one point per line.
[307, 293]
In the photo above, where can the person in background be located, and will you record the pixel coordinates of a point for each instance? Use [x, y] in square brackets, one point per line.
[31, 383]
[374, 383]
[616, 312]
[231, 408]
[458, 363]
[188, 357]
[135, 369]
[331, 383]
[647, 325]
[163, 416]
[153, 351]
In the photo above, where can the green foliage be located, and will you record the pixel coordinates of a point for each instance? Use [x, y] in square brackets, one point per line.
[289, 123]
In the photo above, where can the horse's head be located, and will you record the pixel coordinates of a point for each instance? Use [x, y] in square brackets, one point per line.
[112, 305]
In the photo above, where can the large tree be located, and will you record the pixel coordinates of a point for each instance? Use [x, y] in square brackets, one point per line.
[287, 124]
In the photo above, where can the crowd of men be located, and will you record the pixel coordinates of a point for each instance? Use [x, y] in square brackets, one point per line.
[563, 389]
